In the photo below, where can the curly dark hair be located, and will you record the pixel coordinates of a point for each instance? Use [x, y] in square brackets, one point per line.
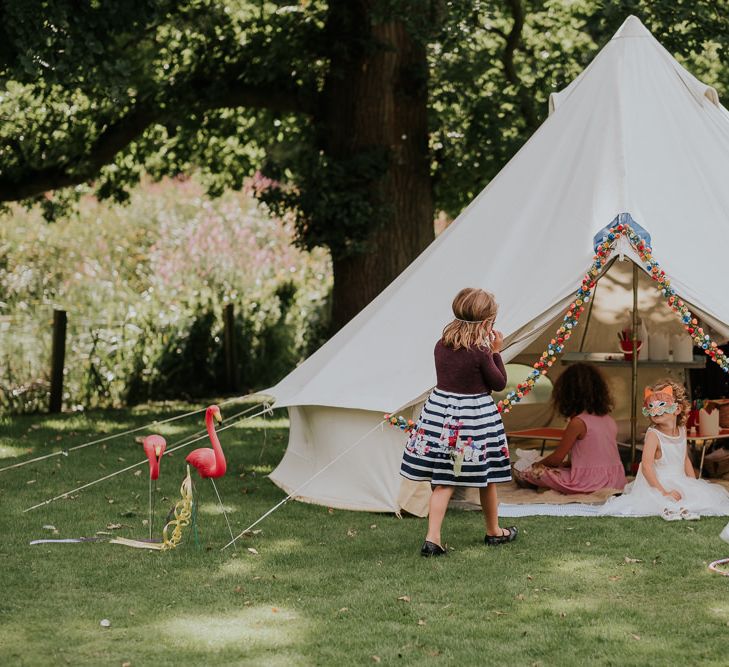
[581, 388]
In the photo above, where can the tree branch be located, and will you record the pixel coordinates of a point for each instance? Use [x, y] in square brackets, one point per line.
[526, 102]
[118, 135]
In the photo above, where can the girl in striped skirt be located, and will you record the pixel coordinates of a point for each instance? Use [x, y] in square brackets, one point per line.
[459, 439]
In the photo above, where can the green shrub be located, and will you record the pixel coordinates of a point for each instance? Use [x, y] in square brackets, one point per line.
[145, 286]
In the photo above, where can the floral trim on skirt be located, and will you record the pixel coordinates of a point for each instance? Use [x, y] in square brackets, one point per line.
[458, 440]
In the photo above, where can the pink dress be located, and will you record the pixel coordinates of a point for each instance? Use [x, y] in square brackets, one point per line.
[595, 461]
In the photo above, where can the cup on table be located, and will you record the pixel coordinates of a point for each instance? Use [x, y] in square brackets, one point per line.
[627, 347]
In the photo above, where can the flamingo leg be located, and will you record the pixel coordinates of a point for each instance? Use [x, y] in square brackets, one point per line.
[195, 507]
[154, 508]
[230, 530]
[150, 508]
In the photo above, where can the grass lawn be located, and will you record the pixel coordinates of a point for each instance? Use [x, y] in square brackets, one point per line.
[327, 587]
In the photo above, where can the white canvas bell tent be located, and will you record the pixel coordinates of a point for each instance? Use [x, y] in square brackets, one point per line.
[635, 133]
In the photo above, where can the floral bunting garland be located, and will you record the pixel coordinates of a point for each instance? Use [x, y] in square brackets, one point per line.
[576, 308]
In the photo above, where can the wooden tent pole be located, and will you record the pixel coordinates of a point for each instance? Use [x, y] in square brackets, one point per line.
[634, 378]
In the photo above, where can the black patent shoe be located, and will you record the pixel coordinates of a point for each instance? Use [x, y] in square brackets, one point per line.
[495, 540]
[431, 549]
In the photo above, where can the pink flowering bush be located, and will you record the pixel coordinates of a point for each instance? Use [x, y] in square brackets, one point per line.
[144, 286]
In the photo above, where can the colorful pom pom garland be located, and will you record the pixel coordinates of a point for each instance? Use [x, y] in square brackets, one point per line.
[583, 295]
[400, 422]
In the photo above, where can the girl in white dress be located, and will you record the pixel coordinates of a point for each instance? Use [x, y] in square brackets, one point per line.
[666, 485]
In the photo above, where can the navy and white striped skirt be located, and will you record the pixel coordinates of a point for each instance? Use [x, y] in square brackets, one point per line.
[458, 440]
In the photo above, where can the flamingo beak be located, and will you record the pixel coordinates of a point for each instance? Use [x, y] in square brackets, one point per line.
[158, 450]
[218, 417]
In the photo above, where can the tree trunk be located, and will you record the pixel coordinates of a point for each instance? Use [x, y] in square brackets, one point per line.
[376, 97]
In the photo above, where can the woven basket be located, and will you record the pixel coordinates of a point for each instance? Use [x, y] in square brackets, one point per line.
[724, 416]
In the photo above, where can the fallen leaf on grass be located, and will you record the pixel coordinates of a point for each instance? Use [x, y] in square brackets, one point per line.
[274, 610]
[373, 526]
[529, 577]
[114, 526]
[562, 614]
[343, 609]
[627, 559]
[422, 621]
[496, 612]
[49, 526]
[351, 532]
[404, 598]
[636, 637]
[615, 578]
[520, 596]
[330, 510]
[251, 533]
[31, 481]
[253, 551]
[376, 658]
[137, 473]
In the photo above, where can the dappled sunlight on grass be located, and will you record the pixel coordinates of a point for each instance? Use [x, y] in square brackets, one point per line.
[286, 545]
[213, 508]
[250, 628]
[10, 451]
[573, 605]
[587, 569]
[615, 630]
[720, 611]
[236, 567]
[182, 428]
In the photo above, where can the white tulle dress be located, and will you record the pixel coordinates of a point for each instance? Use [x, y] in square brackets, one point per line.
[697, 496]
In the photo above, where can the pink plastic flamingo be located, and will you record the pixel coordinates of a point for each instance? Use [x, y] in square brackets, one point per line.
[154, 447]
[210, 463]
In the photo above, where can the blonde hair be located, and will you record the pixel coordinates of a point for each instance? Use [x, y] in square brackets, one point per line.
[475, 312]
[679, 397]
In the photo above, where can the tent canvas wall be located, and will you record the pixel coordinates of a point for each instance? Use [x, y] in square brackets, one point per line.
[634, 133]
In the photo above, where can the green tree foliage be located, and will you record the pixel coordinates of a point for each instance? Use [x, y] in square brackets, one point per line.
[103, 91]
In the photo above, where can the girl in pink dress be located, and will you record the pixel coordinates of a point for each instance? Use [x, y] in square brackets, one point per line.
[581, 395]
